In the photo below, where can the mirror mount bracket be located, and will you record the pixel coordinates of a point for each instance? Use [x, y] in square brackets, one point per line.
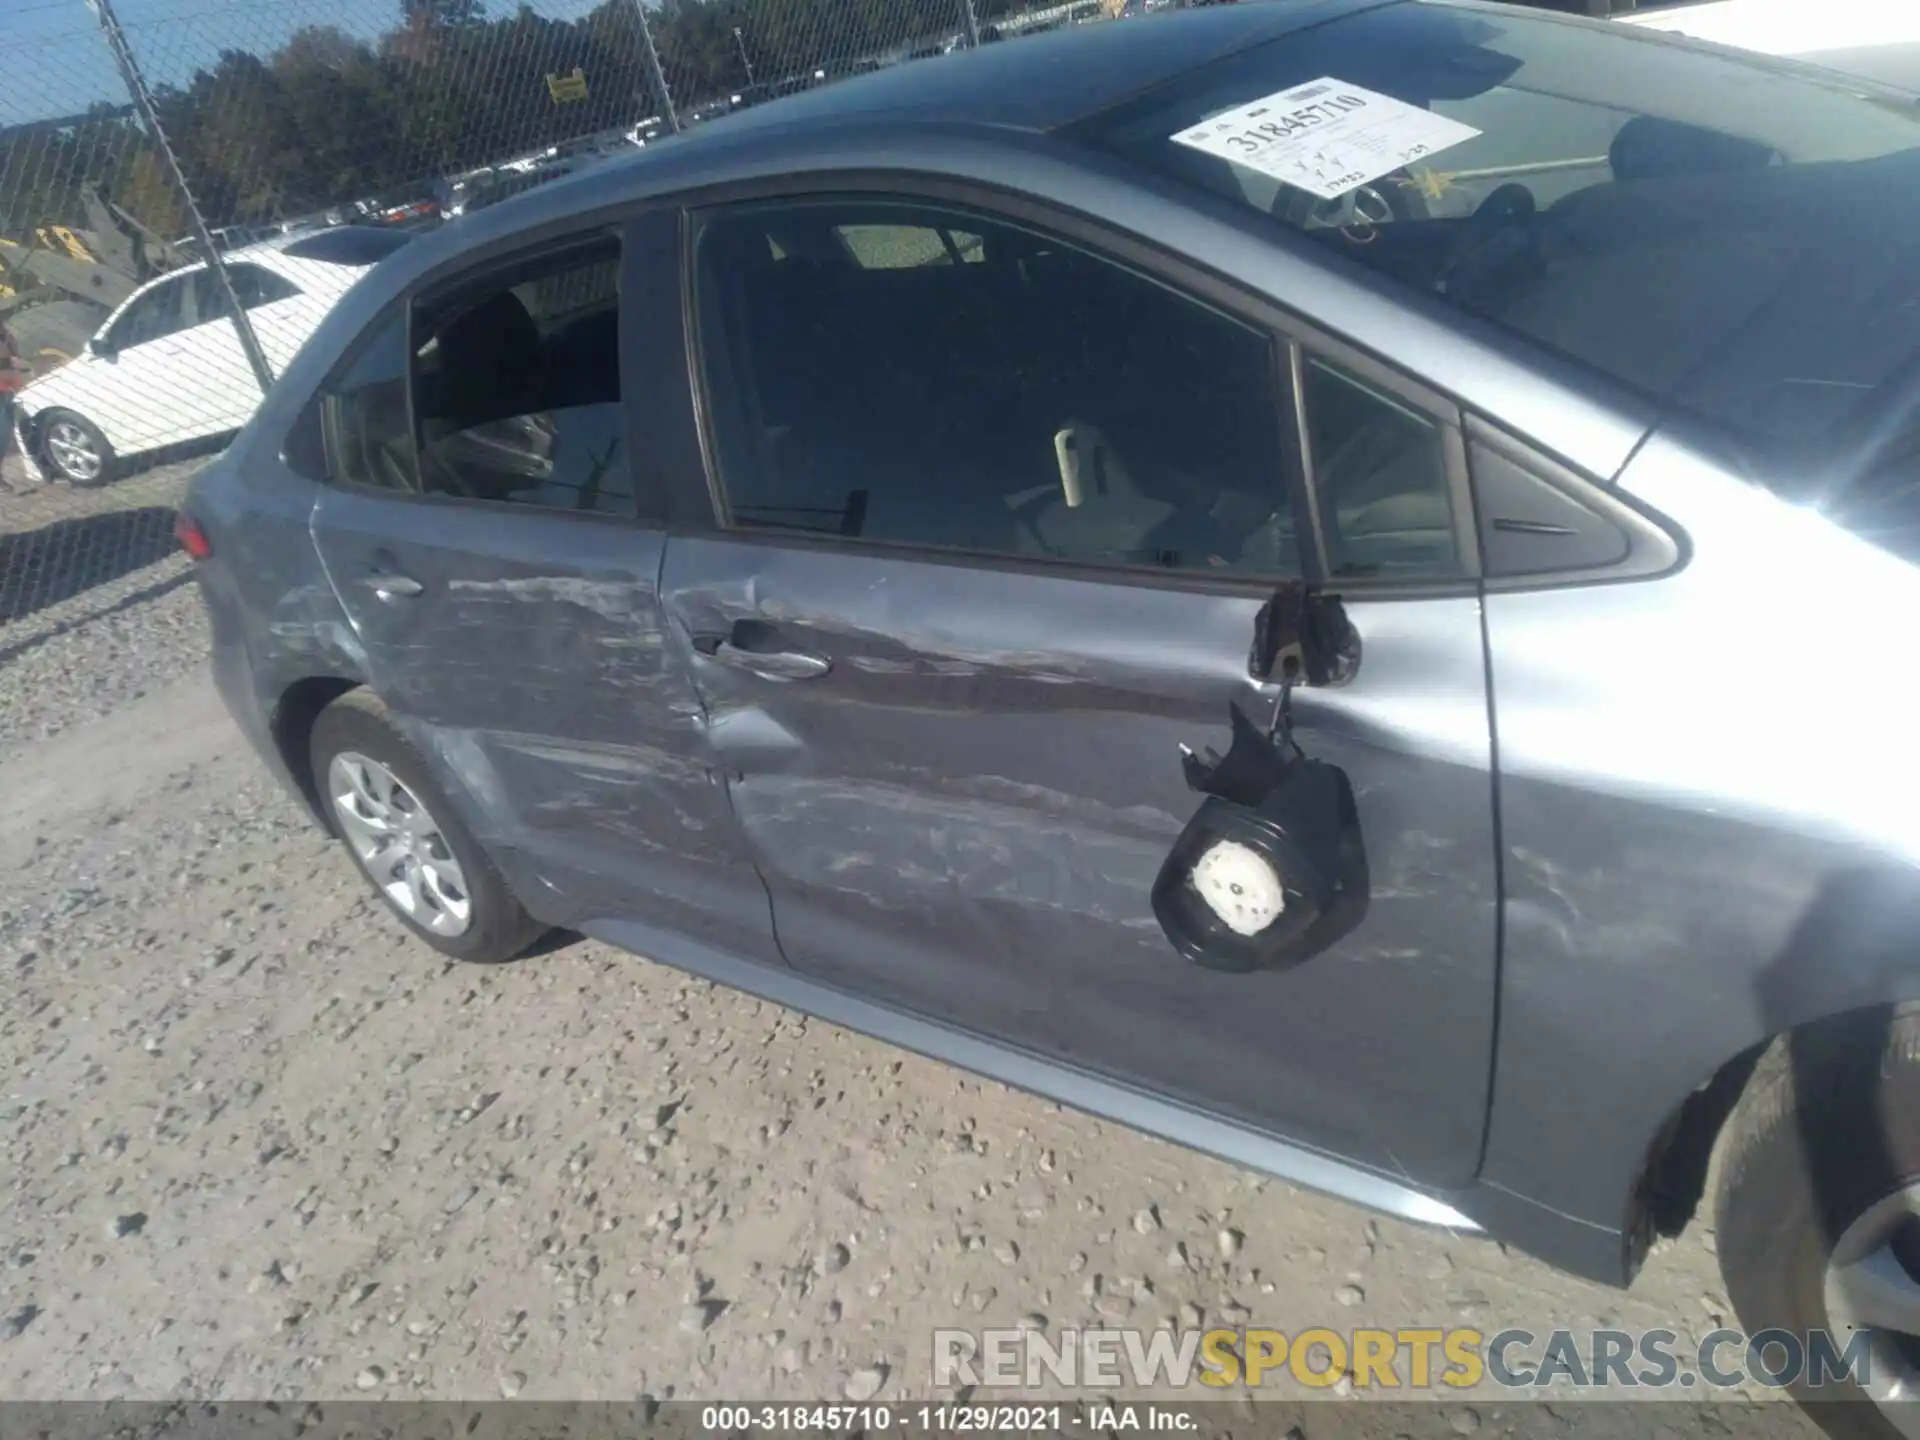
[1302, 634]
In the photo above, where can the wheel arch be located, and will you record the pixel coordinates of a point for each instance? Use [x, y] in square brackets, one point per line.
[1676, 1179]
[291, 726]
[1673, 1179]
[30, 421]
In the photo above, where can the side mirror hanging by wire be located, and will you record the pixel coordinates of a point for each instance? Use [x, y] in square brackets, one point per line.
[1271, 869]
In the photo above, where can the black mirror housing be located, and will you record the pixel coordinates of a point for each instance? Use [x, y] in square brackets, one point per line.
[1269, 884]
[1272, 868]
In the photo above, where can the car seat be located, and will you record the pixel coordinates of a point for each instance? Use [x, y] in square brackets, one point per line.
[1096, 510]
[487, 433]
[492, 366]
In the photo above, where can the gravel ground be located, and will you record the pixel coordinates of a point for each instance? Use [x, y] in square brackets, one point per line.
[254, 1143]
[92, 609]
[125, 641]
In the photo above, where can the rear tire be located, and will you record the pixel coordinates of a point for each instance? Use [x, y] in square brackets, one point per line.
[408, 839]
[74, 450]
[1816, 1173]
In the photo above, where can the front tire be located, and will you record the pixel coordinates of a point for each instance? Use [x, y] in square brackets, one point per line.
[407, 838]
[1817, 1204]
[74, 449]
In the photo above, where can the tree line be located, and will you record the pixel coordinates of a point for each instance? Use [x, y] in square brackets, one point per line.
[329, 116]
[273, 132]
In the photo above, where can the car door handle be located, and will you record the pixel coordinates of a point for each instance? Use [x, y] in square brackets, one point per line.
[771, 664]
[394, 587]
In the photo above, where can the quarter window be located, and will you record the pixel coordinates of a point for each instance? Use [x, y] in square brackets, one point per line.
[365, 415]
[905, 374]
[1530, 526]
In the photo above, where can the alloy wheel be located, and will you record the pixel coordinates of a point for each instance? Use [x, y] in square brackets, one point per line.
[399, 844]
[72, 451]
[1871, 1285]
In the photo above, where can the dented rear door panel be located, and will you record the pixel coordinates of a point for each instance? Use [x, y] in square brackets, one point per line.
[534, 668]
[965, 815]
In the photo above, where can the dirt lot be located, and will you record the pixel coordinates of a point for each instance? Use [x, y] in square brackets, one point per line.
[254, 1143]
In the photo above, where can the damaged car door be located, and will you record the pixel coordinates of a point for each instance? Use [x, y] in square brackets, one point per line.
[489, 530]
[997, 519]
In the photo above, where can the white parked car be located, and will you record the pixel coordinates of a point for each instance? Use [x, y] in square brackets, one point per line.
[166, 369]
[1876, 39]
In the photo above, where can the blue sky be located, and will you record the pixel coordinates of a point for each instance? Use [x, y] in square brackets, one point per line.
[56, 63]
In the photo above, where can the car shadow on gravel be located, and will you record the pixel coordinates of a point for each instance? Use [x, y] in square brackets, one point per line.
[552, 941]
[56, 562]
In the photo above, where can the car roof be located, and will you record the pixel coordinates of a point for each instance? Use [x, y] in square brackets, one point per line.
[1044, 81]
[272, 252]
[1022, 89]
[994, 116]
[265, 250]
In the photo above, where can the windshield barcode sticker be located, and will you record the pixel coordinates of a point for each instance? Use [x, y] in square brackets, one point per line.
[1325, 137]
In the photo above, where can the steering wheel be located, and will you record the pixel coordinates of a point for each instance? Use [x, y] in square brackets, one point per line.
[1494, 246]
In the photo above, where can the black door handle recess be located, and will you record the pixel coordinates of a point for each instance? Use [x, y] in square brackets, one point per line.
[756, 647]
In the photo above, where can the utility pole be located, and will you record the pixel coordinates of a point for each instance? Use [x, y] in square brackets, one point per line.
[741, 41]
[654, 71]
[143, 102]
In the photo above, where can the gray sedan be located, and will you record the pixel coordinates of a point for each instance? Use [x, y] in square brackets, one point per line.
[1325, 580]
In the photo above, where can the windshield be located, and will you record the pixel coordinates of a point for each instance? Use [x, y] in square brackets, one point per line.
[1739, 240]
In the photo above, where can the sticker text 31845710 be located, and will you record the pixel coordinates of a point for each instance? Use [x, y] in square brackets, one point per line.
[1325, 137]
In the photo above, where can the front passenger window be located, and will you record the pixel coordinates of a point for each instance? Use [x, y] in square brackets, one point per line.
[903, 374]
[517, 388]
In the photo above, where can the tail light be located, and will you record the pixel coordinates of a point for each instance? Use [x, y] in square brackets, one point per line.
[192, 538]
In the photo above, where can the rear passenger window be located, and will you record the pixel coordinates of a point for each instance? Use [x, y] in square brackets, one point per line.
[517, 388]
[911, 375]
[1379, 470]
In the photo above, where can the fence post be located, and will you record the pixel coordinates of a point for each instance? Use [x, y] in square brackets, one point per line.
[972, 23]
[654, 72]
[143, 102]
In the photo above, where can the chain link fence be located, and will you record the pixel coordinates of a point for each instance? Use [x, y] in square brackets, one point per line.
[187, 186]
